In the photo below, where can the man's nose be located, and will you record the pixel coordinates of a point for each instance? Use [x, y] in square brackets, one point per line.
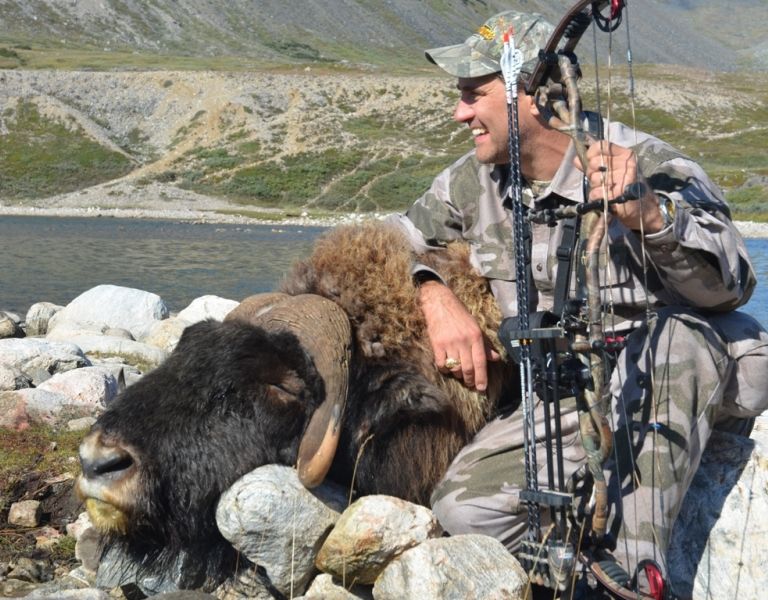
[463, 112]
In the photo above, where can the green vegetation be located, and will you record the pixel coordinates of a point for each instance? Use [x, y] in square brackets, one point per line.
[40, 157]
[373, 148]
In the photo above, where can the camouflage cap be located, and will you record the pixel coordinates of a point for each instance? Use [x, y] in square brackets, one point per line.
[480, 53]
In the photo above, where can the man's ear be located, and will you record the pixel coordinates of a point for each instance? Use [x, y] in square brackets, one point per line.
[532, 105]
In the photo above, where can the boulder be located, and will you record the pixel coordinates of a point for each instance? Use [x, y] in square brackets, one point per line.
[26, 513]
[90, 387]
[165, 334]
[207, 307]
[12, 379]
[278, 524]
[38, 359]
[453, 568]
[113, 306]
[9, 326]
[718, 545]
[370, 533]
[38, 316]
[102, 347]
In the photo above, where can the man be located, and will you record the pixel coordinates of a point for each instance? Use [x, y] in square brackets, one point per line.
[674, 255]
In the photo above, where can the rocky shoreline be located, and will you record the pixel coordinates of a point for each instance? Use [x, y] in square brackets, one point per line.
[67, 366]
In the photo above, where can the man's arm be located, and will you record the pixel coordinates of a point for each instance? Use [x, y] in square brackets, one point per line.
[430, 223]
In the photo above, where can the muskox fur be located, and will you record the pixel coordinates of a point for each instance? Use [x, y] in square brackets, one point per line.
[232, 397]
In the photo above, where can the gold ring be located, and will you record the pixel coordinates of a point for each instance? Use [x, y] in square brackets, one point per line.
[452, 363]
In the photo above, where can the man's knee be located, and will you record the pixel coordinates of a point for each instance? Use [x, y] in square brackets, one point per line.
[498, 515]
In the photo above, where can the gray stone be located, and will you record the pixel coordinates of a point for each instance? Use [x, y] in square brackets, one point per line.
[26, 513]
[277, 523]
[100, 347]
[324, 587]
[207, 307]
[38, 316]
[165, 334]
[80, 424]
[37, 359]
[9, 327]
[454, 568]
[89, 387]
[54, 592]
[718, 548]
[370, 533]
[88, 549]
[114, 306]
[12, 378]
[40, 406]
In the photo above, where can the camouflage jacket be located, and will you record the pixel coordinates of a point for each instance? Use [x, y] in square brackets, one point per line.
[699, 260]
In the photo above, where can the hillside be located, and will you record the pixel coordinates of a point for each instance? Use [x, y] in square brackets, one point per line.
[710, 34]
[244, 105]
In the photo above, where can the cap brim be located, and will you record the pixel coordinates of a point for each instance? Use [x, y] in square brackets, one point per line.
[461, 60]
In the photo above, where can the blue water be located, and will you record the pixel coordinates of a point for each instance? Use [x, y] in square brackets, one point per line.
[56, 259]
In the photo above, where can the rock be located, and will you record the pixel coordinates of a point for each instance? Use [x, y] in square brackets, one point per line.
[9, 326]
[79, 526]
[35, 405]
[12, 379]
[32, 571]
[454, 568]
[100, 347]
[47, 537]
[16, 588]
[37, 359]
[26, 513]
[88, 549]
[38, 316]
[207, 307]
[370, 533]
[119, 332]
[718, 545]
[277, 523]
[13, 412]
[81, 424]
[53, 592]
[90, 387]
[114, 306]
[165, 334]
[324, 588]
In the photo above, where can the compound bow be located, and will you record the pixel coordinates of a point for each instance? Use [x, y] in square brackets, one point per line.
[564, 351]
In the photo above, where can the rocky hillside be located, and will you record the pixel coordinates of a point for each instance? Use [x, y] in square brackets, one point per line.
[244, 105]
[713, 34]
[305, 139]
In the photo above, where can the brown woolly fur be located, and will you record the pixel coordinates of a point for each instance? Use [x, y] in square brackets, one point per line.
[366, 269]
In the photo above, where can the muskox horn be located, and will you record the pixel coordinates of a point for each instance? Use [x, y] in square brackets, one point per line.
[324, 331]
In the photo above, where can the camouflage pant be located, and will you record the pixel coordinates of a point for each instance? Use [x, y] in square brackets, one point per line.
[662, 419]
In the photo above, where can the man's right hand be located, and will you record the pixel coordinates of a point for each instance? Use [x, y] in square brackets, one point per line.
[454, 334]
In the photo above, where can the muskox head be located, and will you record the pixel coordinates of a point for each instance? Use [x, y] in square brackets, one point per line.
[231, 397]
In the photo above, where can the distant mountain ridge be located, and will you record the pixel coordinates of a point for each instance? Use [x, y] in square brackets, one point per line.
[719, 35]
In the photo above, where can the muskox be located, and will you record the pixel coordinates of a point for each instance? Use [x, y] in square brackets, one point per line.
[267, 385]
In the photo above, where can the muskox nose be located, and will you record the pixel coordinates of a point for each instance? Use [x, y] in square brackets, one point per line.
[99, 460]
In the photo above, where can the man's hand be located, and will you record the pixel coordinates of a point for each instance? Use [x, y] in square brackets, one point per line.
[610, 168]
[454, 334]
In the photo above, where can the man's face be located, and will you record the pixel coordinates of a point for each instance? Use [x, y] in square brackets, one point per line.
[483, 107]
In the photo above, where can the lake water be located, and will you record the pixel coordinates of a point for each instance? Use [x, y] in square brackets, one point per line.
[56, 259]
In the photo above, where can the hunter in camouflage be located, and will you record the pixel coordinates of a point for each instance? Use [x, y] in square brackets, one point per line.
[671, 285]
